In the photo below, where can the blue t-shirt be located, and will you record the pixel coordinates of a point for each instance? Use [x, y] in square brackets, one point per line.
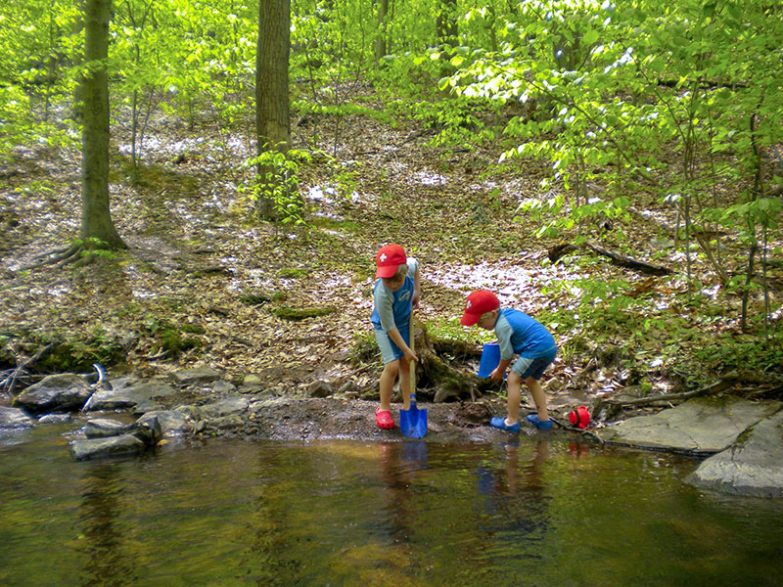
[390, 309]
[519, 334]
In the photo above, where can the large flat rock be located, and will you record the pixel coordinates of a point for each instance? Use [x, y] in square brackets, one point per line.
[95, 448]
[753, 466]
[701, 425]
[139, 395]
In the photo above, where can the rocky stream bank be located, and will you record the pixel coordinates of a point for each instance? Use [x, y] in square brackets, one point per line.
[740, 441]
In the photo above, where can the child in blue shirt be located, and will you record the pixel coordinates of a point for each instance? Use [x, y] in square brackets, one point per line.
[520, 335]
[396, 292]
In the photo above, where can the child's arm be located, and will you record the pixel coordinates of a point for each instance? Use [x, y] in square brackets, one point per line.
[503, 332]
[396, 337]
[500, 370]
[383, 303]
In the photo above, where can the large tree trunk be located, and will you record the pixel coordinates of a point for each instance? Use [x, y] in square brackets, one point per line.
[272, 120]
[97, 230]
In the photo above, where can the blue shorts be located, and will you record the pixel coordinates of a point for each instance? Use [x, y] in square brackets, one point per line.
[526, 367]
[389, 351]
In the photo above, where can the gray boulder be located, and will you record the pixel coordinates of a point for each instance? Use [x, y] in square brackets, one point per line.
[94, 448]
[700, 425]
[56, 393]
[141, 396]
[753, 466]
[170, 423]
[225, 407]
[14, 419]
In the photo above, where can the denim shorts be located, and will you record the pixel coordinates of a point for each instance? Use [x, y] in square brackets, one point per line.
[389, 351]
[526, 367]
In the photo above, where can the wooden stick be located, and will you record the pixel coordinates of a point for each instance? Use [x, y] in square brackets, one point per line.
[412, 336]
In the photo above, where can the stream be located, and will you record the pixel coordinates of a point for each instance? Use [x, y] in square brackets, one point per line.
[540, 510]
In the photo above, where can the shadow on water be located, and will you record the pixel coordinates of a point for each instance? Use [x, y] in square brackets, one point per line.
[534, 510]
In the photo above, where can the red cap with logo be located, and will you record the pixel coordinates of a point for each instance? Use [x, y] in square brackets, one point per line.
[387, 259]
[479, 302]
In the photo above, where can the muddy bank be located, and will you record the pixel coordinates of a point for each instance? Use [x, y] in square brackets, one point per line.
[330, 418]
[201, 404]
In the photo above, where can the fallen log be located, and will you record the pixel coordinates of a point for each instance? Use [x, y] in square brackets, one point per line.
[559, 251]
[607, 409]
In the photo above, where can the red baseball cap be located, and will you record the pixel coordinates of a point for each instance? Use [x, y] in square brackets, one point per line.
[479, 302]
[388, 258]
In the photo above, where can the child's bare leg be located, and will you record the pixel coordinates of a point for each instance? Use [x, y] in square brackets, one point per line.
[514, 384]
[388, 377]
[539, 397]
[405, 383]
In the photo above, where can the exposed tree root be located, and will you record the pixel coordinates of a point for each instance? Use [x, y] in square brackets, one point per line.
[76, 254]
[439, 380]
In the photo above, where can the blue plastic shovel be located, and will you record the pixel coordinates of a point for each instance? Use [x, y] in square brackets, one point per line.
[413, 421]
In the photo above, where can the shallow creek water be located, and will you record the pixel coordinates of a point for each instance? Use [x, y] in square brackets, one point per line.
[537, 511]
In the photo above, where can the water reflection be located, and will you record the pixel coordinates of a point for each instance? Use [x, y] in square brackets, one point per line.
[400, 462]
[109, 560]
[514, 506]
[534, 511]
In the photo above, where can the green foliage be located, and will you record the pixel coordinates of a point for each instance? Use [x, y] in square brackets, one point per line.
[606, 297]
[545, 212]
[170, 340]
[37, 49]
[457, 122]
[743, 354]
[76, 353]
[451, 329]
[623, 82]
[278, 183]
[344, 176]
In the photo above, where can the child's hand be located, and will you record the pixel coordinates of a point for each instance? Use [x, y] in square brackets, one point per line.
[415, 300]
[496, 375]
[409, 354]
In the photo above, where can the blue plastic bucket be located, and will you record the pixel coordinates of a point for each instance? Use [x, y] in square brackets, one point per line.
[490, 358]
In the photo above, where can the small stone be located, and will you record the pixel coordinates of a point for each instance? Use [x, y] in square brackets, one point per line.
[196, 376]
[320, 389]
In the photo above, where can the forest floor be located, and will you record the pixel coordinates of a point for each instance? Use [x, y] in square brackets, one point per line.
[204, 284]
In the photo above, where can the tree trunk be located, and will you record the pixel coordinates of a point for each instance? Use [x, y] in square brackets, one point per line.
[272, 119]
[447, 29]
[97, 230]
[380, 40]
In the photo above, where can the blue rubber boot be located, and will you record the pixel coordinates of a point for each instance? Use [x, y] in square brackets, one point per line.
[499, 422]
[538, 423]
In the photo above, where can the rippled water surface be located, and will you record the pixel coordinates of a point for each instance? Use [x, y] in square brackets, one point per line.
[535, 512]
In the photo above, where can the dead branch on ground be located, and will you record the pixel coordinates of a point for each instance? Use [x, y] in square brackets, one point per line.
[608, 408]
[11, 377]
[559, 251]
